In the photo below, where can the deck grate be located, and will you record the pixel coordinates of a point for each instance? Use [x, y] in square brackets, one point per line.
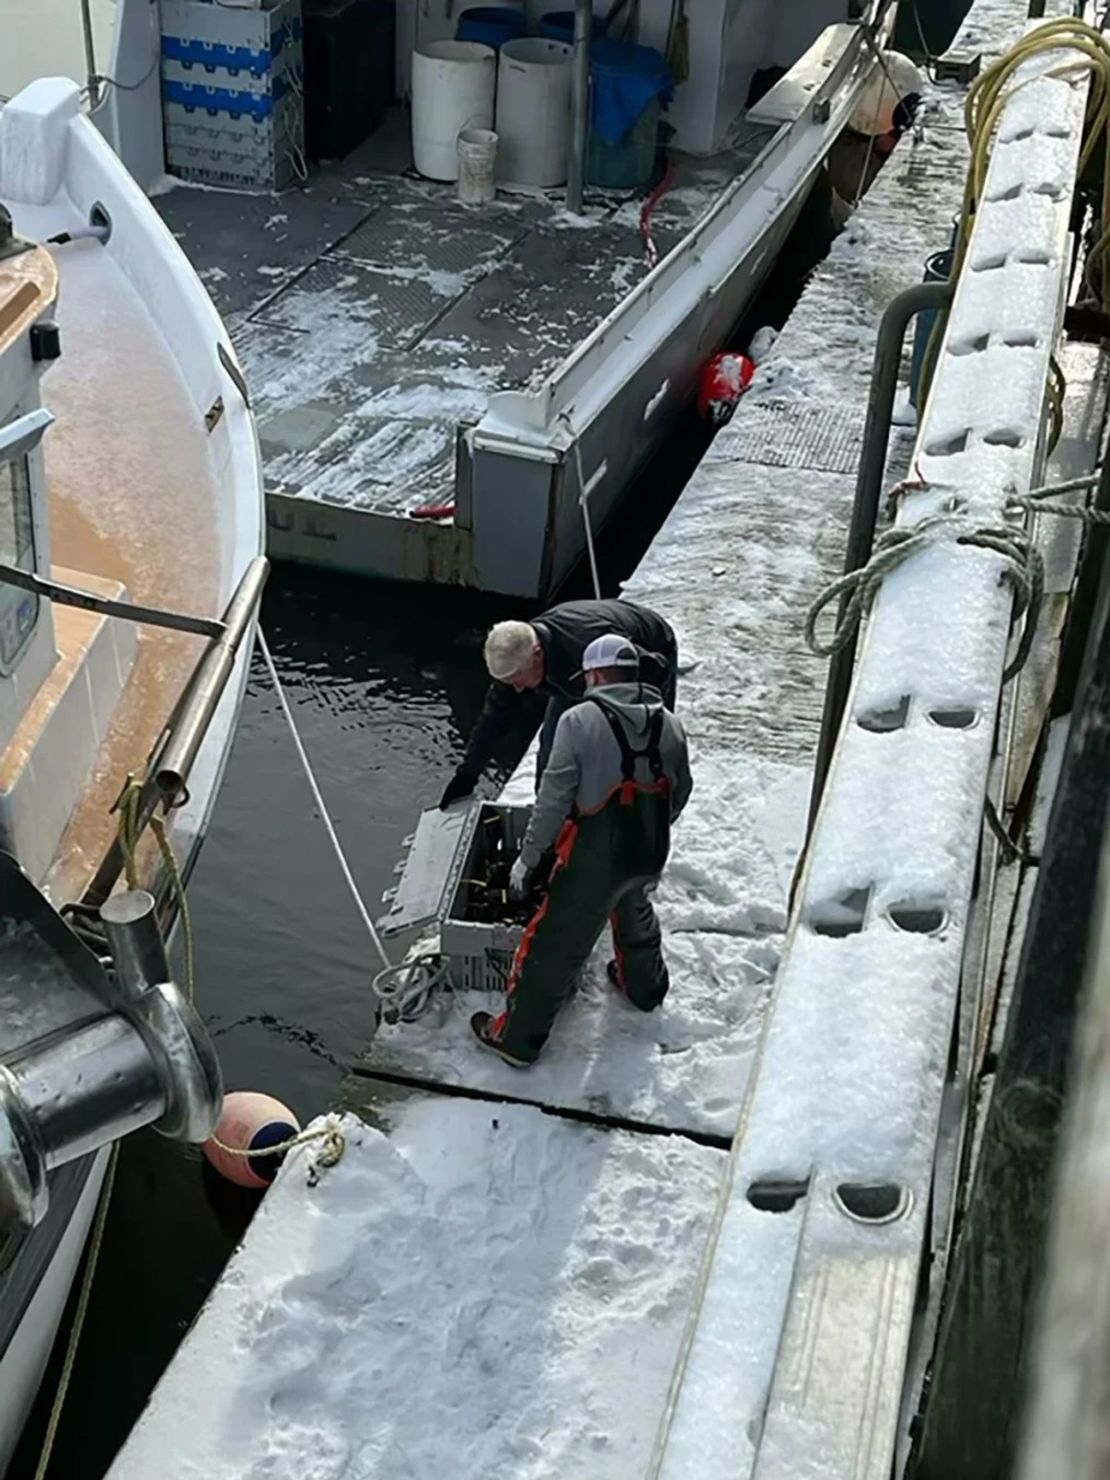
[780, 434]
[333, 294]
[427, 238]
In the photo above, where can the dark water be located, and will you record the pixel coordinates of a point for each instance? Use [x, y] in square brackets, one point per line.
[385, 681]
[928, 26]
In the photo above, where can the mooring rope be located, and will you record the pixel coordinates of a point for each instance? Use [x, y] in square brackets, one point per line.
[325, 818]
[96, 1239]
[1025, 564]
[1024, 570]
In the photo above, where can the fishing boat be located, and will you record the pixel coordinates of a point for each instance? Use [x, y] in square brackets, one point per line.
[131, 531]
[459, 392]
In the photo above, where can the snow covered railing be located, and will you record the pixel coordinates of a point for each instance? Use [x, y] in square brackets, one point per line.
[795, 1357]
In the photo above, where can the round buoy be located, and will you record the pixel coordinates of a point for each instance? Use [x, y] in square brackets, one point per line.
[880, 107]
[723, 381]
[250, 1122]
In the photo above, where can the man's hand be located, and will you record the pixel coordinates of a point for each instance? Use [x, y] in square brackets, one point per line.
[518, 879]
[461, 784]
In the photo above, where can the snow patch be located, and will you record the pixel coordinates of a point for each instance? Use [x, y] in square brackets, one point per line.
[485, 1291]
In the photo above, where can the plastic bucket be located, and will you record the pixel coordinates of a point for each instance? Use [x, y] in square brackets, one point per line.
[627, 82]
[452, 89]
[628, 164]
[477, 150]
[491, 25]
[558, 25]
[533, 112]
[938, 269]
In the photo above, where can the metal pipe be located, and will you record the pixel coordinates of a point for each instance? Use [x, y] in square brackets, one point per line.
[865, 508]
[92, 80]
[185, 731]
[131, 925]
[208, 685]
[579, 105]
[151, 616]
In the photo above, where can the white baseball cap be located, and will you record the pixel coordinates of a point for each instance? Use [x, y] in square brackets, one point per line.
[610, 651]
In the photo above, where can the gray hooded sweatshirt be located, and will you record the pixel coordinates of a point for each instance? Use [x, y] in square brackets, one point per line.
[585, 764]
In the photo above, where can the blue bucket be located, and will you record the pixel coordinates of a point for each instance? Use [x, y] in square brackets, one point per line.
[559, 26]
[938, 269]
[630, 84]
[491, 25]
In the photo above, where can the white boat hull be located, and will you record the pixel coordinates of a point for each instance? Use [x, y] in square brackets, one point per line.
[28, 1351]
[133, 315]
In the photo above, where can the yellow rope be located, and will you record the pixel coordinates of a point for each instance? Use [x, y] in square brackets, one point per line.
[95, 1241]
[986, 101]
[129, 807]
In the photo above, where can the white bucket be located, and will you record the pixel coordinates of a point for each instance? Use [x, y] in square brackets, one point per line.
[533, 112]
[452, 90]
[477, 161]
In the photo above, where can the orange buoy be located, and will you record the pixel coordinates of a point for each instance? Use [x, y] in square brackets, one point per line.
[250, 1122]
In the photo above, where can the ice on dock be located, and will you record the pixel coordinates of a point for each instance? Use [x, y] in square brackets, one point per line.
[483, 1291]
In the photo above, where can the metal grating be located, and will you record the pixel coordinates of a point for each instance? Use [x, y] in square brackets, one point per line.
[779, 434]
[378, 464]
[397, 309]
[427, 238]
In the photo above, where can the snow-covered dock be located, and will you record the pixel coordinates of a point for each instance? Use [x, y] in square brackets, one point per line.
[485, 1285]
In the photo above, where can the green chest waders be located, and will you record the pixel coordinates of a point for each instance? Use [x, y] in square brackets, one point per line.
[603, 859]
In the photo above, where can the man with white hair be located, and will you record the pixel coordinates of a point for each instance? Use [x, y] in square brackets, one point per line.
[618, 776]
[542, 659]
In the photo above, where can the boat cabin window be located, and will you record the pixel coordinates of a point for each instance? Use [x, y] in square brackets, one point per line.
[18, 609]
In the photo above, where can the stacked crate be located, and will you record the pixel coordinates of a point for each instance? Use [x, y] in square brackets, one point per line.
[233, 93]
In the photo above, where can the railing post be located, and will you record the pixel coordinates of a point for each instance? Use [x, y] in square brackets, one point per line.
[865, 509]
[579, 105]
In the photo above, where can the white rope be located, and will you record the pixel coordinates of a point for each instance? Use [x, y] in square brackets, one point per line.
[1033, 501]
[405, 990]
[340, 856]
[584, 502]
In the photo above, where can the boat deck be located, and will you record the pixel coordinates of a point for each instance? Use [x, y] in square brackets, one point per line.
[374, 315]
[111, 483]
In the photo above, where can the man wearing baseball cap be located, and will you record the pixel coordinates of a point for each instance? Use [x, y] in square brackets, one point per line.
[617, 777]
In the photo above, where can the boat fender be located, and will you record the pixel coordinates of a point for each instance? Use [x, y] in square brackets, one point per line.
[723, 381]
[884, 102]
[250, 1122]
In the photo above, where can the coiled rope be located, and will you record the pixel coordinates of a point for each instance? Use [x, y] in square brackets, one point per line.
[404, 991]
